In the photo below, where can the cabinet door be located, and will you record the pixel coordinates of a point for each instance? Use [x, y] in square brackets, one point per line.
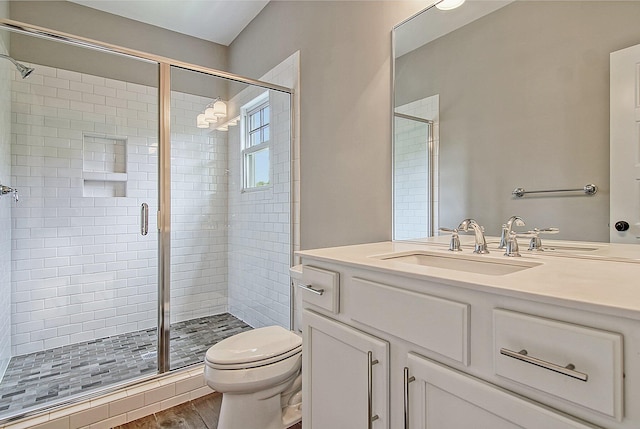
[343, 385]
[443, 398]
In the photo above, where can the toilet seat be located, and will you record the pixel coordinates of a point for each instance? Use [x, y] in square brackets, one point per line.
[255, 348]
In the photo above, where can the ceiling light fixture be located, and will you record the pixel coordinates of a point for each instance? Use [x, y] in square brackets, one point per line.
[449, 4]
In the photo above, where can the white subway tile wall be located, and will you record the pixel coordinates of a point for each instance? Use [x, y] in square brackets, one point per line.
[411, 169]
[81, 269]
[198, 213]
[260, 231]
[5, 212]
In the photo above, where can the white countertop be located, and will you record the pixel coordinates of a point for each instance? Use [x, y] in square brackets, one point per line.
[599, 277]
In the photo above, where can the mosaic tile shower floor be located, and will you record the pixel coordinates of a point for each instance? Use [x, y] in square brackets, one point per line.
[50, 375]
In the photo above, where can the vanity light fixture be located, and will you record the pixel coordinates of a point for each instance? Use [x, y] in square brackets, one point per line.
[449, 4]
[210, 116]
[230, 123]
[212, 112]
[219, 108]
[201, 121]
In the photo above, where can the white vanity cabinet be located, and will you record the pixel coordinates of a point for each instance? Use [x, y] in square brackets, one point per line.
[445, 356]
[347, 376]
[440, 397]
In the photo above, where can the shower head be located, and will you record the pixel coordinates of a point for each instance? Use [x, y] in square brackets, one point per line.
[24, 70]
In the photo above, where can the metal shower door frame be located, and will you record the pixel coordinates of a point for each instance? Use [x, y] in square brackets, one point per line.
[164, 162]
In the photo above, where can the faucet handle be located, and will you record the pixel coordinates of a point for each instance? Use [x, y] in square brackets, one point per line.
[536, 243]
[503, 237]
[454, 244]
[550, 230]
[4, 190]
[512, 249]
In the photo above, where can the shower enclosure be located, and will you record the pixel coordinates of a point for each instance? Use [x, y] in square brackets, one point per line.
[142, 235]
[415, 169]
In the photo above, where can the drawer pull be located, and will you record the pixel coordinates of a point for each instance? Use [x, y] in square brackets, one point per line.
[568, 370]
[312, 289]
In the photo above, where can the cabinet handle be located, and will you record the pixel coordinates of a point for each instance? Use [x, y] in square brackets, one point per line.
[312, 289]
[407, 380]
[568, 370]
[370, 417]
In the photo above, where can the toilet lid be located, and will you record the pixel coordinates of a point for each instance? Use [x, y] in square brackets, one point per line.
[253, 346]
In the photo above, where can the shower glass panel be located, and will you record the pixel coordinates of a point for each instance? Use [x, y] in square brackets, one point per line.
[230, 238]
[79, 142]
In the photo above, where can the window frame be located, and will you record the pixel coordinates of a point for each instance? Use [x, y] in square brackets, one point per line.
[257, 104]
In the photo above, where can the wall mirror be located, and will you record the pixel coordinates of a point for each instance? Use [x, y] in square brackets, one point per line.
[498, 95]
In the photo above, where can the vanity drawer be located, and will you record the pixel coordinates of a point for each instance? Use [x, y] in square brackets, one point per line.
[576, 363]
[433, 323]
[320, 287]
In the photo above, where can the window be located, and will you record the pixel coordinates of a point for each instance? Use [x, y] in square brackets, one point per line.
[256, 144]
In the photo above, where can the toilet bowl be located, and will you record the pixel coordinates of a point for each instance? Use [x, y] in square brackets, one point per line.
[258, 374]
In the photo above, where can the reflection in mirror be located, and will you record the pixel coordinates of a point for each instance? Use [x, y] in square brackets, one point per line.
[518, 96]
[414, 155]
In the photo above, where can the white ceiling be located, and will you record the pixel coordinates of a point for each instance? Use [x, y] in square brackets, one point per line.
[218, 21]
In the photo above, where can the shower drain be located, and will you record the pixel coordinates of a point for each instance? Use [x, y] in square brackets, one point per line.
[148, 356]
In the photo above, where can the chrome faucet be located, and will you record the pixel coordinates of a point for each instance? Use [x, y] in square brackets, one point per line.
[512, 249]
[481, 243]
[4, 190]
[536, 242]
[507, 228]
[454, 244]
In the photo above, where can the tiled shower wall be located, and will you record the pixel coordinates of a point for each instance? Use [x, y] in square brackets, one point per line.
[260, 232]
[81, 269]
[5, 208]
[411, 169]
[198, 213]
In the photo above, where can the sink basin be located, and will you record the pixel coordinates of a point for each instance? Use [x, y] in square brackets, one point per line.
[471, 263]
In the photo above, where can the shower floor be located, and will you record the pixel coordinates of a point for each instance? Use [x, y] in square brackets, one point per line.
[50, 375]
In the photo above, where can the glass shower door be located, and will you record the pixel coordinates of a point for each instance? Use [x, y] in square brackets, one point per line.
[84, 264]
[230, 211]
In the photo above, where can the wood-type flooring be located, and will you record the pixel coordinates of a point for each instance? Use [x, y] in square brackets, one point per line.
[201, 413]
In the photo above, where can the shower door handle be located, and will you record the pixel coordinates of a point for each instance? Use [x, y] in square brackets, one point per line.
[144, 219]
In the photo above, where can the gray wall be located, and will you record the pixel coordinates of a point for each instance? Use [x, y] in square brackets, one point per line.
[345, 95]
[94, 24]
[345, 120]
[524, 102]
[83, 21]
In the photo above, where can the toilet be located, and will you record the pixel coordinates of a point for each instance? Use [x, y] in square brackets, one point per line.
[258, 373]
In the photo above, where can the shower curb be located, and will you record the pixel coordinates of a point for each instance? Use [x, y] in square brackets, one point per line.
[123, 405]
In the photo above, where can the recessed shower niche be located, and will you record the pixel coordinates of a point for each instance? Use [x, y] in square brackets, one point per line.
[104, 165]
